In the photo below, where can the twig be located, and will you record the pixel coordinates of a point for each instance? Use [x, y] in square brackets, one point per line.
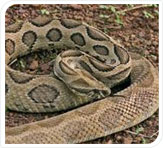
[10, 63]
[133, 8]
[51, 62]
[145, 136]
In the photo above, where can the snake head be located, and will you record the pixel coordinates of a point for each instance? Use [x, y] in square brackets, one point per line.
[70, 66]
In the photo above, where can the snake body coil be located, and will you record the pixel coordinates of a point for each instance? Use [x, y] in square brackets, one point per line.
[89, 65]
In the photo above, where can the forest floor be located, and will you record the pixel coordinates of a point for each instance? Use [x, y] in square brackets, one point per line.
[133, 26]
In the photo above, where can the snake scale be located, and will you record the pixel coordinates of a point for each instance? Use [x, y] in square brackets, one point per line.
[89, 67]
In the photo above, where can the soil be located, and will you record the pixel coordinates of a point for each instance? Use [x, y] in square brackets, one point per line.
[133, 26]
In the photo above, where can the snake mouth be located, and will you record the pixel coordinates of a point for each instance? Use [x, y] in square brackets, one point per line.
[123, 85]
[104, 93]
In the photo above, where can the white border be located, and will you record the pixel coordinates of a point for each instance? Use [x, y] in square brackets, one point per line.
[5, 4]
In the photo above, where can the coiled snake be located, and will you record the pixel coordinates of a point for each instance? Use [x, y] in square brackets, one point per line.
[88, 66]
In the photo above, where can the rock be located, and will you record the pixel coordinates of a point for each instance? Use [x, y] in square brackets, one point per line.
[126, 38]
[136, 13]
[146, 53]
[133, 36]
[119, 137]
[109, 142]
[153, 57]
[73, 6]
[148, 42]
[127, 140]
[149, 123]
[155, 43]
[137, 139]
[33, 65]
[45, 67]
[141, 34]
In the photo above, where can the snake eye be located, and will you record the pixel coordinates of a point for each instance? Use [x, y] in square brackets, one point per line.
[105, 92]
[102, 93]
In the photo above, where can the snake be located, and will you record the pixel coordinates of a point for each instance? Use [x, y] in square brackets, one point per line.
[98, 86]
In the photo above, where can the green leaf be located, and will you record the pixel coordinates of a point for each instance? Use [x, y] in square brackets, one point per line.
[6, 109]
[130, 5]
[154, 5]
[106, 30]
[121, 13]
[118, 20]
[22, 64]
[144, 141]
[103, 16]
[157, 12]
[112, 8]
[44, 11]
[138, 130]
[148, 15]
[104, 7]
[53, 56]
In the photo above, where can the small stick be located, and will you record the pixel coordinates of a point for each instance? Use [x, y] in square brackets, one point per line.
[133, 8]
[127, 131]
